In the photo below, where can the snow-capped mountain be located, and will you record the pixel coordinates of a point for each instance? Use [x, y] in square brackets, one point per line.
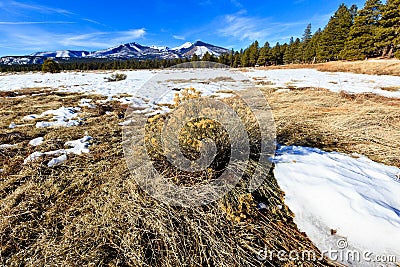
[123, 51]
[200, 48]
[61, 53]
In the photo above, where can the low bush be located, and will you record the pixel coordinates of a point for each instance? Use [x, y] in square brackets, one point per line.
[115, 77]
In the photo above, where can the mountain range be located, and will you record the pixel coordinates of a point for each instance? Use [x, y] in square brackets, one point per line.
[123, 51]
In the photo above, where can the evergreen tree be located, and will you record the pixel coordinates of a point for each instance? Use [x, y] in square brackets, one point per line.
[307, 35]
[297, 51]
[306, 46]
[236, 60]
[335, 34]
[362, 36]
[206, 57]
[195, 57]
[288, 57]
[389, 28]
[245, 59]
[312, 47]
[353, 11]
[264, 56]
[277, 53]
[253, 53]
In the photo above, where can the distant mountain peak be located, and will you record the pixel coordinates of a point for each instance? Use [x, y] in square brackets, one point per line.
[131, 50]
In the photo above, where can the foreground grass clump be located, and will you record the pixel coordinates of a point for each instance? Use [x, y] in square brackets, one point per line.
[90, 211]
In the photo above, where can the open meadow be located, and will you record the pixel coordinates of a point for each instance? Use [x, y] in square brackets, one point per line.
[67, 196]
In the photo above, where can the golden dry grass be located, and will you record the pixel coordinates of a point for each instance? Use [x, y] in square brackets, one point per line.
[90, 211]
[365, 123]
[379, 67]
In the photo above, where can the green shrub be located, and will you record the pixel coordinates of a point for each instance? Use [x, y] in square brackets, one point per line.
[49, 65]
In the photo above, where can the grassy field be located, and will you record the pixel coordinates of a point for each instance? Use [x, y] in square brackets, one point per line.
[89, 210]
[363, 123]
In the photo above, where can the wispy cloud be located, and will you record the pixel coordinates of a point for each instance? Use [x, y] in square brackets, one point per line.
[242, 27]
[93, 21]
[179, 37]
[35, 7]
[39, 39]
[236, 3]
[34, 22]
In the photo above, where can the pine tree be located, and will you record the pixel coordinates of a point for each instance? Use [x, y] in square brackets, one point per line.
[362, 36]
[277, 53]
[297, 51]
[245, 59]
[195, 57]
[264, 56]
[335, 34]
[312, 47]
[307, 35]
[236, 60]
[206, 57]
[306, 45]
[288, 57]
[389, 28]
[253, 51]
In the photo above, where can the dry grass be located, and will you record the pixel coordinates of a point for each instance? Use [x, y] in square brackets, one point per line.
[391, 88]
[90, 211]
[379, 67]
[365, 123]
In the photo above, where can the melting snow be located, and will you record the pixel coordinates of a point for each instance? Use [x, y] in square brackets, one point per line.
[7, 146]
[333, 81]
[86, 102]
[57, 161]
[36, 142]
[355, 196]
[63, 117]
[77, 147]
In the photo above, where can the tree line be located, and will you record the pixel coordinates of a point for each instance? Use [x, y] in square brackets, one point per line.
[351, 34]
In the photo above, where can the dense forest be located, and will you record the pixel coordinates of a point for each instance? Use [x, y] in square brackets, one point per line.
[351, 34]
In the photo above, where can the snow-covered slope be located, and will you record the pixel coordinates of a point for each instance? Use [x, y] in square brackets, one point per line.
[352, 195]
[62, 53]
[185, 45]
[200, 48]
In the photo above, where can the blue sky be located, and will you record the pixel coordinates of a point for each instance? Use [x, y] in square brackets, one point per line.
[32, 26]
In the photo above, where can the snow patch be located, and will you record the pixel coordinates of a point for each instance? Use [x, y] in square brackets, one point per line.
[7, 146]
[63, 117]
[36, 142]
[333, 81]
[77, 147]
[86, 102]
[354, 196]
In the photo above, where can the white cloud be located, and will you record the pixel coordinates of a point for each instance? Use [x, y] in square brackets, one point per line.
[178, 37]
[35, 7]
[40, 40]
[34, 22]
[240, 26]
